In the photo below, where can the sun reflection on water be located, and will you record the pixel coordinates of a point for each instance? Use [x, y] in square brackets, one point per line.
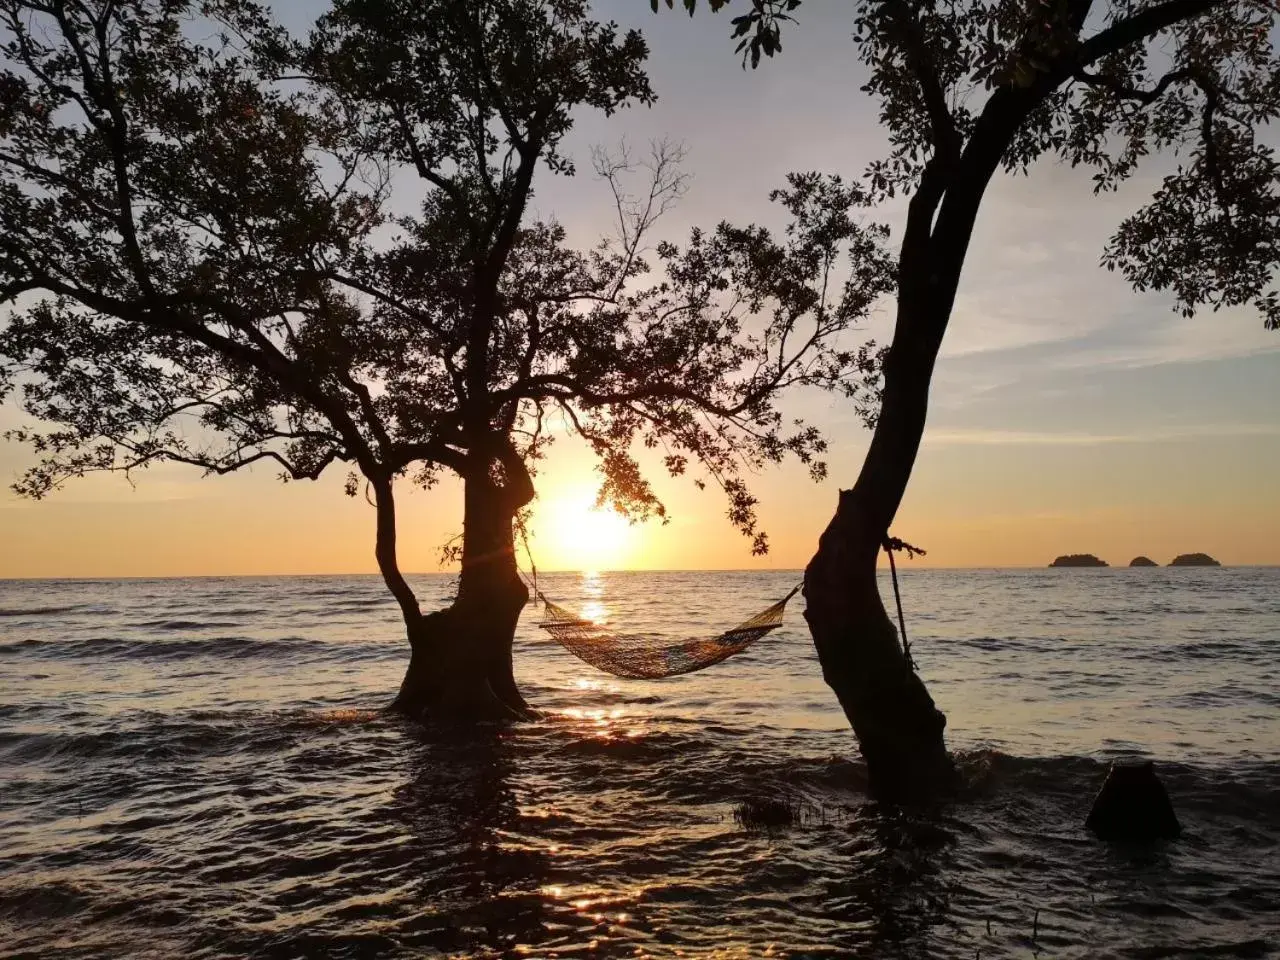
[596, 612]
[337, 716]
[586, 898]
[603, 723]
[593, 589]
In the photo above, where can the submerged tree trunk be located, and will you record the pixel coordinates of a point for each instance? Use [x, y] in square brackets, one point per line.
[460, 665]
[899, 730]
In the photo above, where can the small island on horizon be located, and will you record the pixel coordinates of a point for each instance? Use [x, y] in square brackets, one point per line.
[1194, 560]
[1089, 560]
[1078, 560]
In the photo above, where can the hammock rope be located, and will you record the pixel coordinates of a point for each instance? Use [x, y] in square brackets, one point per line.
[645, 657]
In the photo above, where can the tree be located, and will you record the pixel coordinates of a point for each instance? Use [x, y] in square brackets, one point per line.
[211, 260]
[967, 89]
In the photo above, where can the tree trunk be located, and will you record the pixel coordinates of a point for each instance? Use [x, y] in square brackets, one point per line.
[899, 730]
[460, 666]
[898, 727]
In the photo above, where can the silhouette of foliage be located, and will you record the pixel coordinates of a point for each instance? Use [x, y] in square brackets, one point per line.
[758, 31]
[1104, 85]
[223, 245]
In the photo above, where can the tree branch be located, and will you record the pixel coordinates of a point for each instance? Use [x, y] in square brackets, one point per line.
[431, 451]
[423, 168]
[296, 472]
[946, 139]
[1145, 97]
[1140, 26]
[541, 386]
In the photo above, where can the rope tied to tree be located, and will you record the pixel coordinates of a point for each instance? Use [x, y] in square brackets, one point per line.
[892, 544]
[522, 528]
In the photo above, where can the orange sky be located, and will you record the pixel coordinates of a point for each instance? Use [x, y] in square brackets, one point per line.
[971, 504]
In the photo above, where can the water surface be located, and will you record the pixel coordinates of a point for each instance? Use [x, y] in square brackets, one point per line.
[197, 768]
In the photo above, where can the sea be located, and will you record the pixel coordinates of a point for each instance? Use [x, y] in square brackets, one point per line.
[201, 768]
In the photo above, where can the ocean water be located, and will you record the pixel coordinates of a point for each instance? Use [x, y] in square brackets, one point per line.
[198, 768]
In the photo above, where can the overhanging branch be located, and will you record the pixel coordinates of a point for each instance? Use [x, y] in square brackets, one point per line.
[945, 137]
[1129, 92]
[1141, 26]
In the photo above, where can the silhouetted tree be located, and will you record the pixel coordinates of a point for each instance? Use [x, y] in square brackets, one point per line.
[966, 89]
[209, 259]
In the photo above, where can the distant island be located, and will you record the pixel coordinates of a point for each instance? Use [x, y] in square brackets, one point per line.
[1078, 560]
[1194, 560]
[1143, 562]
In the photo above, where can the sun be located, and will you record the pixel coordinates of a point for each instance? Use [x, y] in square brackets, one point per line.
[572, 534]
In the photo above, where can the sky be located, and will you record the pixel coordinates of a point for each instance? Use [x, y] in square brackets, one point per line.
[1068, 413]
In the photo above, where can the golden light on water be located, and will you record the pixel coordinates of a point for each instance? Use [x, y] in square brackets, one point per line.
[593, 607]
[602, 723]
[595, 611]
[586, 897]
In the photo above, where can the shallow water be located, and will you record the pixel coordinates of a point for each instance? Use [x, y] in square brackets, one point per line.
[197, 768]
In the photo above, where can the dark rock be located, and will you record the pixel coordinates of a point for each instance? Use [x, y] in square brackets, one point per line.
[1078, 560]
[1133, 806]
[1194, 560]
[1143, 562]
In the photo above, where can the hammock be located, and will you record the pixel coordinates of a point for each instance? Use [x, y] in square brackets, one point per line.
[637, 656]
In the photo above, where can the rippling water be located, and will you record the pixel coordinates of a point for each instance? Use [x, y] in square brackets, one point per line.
[197, 768]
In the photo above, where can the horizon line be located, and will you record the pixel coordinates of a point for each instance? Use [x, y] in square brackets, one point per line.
[581, 572]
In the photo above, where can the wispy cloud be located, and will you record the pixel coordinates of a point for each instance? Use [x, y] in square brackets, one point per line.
[1237, 332]
[985, 437]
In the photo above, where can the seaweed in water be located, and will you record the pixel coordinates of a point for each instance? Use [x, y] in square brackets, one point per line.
[766, 813]
[776, 813]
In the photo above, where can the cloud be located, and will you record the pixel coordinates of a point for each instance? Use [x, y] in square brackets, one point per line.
[988, 437]
[1172, 338]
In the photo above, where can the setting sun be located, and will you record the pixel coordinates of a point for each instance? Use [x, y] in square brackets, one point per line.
[571, 533]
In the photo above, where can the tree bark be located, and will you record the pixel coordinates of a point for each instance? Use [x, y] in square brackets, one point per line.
[899, 730]
[460, 667]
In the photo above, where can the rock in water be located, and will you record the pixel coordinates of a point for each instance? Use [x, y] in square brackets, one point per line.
[1143, 562]
[1133, 805]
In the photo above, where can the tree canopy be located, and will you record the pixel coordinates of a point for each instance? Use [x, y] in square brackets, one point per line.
[1106, 85]
[223, 245]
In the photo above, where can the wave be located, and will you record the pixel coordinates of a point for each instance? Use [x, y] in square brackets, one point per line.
[39, 611]
[361, 603]
[720, 768]
[712, 763]
[228, 647]
[187, 624]
[147, 735]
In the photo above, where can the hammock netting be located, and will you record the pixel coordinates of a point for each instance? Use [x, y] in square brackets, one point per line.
[643, 656]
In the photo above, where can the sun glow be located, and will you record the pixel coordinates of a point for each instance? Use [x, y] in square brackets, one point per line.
[571, 533]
